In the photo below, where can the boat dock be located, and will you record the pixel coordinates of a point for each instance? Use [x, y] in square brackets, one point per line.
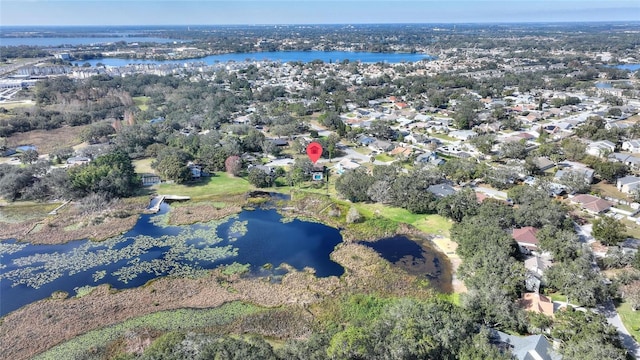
[156, 202]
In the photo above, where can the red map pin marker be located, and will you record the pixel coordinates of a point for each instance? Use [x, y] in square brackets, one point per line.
[314, 151]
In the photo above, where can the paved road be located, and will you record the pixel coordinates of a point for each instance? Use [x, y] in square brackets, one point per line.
[608, 309]
[613, 318]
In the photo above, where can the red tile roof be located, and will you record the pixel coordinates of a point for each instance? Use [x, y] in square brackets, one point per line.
[526, 235]
[537, 303]
[591, 203]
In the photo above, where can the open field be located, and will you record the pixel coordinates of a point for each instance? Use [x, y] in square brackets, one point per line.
[218, 185]
[609, 190]
[141, 102]
[430, 224]
[46, 141]
[16, 104]
[630, 319]
[143, 166]
[24, 211]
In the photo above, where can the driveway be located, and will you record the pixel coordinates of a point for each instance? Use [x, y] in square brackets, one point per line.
[496, 194]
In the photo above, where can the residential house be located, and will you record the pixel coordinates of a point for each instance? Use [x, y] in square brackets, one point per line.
[601, 148]
[346, 164]
[280, 142]
[628, 184]
[537, 303]
[429, 157]
[78, 160]
[441, 190]
[149, 179]
[381, 146]
[401, 151]
[591, 204]
[631, 161]
[584, 171]
[267, 170]
[631, 145]
[365, 140]
[543, 163]
[526, 239]
[196, 170]
[463, 134]
[534, 277]
[533, 347]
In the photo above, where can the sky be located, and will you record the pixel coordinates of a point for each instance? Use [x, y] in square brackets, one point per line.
[228, 12]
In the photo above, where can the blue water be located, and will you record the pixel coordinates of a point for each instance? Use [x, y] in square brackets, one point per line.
[267, 240]
[282, 56]
[415, 257]
[630, 67]
[76, 41]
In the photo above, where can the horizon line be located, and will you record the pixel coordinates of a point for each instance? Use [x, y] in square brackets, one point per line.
[347, 24]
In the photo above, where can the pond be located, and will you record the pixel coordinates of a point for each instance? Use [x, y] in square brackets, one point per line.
[152, 249]
[282, 56]
[417, 257]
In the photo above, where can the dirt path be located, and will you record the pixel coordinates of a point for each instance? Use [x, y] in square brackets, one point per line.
[449, 247]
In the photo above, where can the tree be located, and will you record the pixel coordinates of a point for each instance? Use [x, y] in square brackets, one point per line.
[564, 245]
[609, 230]
[578, 281]
[575, 181]
[574, 150]
[112, 174]
[171, 163]
[514, 149]
[353, 185]
[29, 157]
[465, 114]
[631, 293]
[233, 165]
[484, 143]
[586, 335]
[459, 205]
[259, 178]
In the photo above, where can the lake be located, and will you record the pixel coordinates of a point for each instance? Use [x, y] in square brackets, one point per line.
[630, 67]
[77, 41]
[281, 56]
[151, 249]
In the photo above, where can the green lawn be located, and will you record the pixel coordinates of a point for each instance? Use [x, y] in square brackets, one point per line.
[384, 157]
[443, 137]
[143, 166]
[141, 102]
[430, 224]
[218, 185]
[630, 319]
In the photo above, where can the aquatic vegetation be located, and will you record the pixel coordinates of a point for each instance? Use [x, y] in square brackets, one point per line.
[99, 275]
[83, 290]
[237, 229]
[183, 254]
[9, 248]
[236, 268]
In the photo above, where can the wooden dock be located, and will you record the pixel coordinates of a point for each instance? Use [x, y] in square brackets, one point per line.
[160, 199]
